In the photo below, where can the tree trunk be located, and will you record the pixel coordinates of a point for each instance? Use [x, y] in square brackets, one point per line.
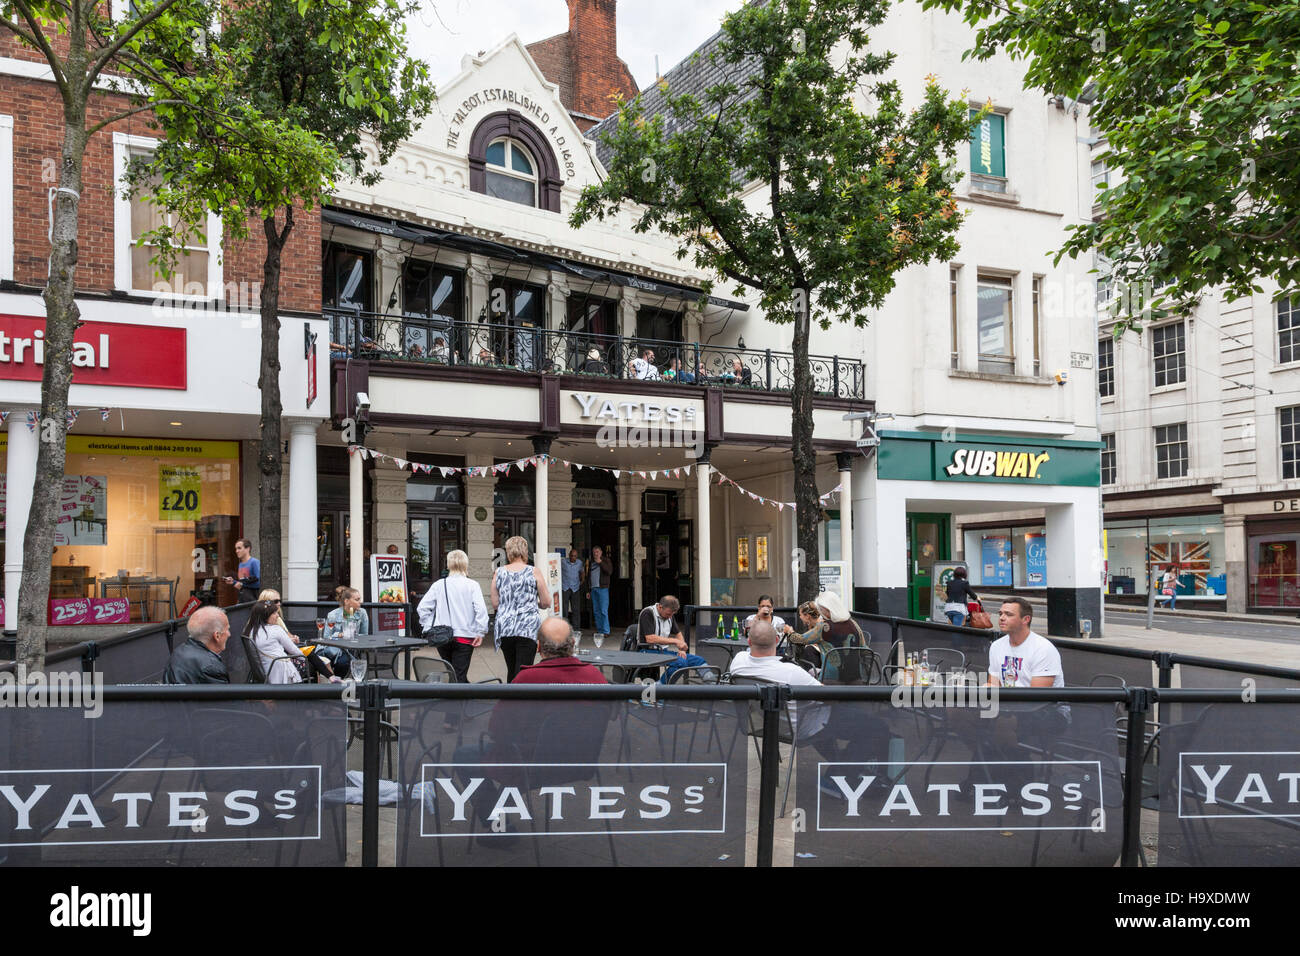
[808, 513]
[62, 317]
[269, 451]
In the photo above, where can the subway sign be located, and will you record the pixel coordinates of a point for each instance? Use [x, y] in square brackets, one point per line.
[921, 456]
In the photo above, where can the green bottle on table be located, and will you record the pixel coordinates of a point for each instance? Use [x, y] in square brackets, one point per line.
[735, 628]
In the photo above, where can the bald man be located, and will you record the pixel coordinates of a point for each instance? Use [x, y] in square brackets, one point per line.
[198, 660]
[761, 662]
[555, 644]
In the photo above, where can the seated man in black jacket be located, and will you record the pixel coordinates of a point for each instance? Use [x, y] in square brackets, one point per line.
[198, 660]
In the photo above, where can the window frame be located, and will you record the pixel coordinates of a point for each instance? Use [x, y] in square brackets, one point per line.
[954, 286]
[1184, 458]
[6, 197]
[125, 146]
[1293, 444]
[1108, 449]
[997, 364]
[507, 170]
[990, 182]
[1292, 307]
[1158, 331]
[1106, 369]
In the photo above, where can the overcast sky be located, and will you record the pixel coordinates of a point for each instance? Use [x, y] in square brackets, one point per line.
[442, 31]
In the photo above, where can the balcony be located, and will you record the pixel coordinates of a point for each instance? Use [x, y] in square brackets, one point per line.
[436, 341]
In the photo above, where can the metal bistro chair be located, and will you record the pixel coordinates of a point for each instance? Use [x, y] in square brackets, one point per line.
[943, 660]
[257, 674]
[166, 604]
[851, 665]
[433, 670]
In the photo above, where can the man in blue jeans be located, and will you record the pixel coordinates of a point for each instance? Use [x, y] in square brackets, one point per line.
[658, 626]
[600, 572]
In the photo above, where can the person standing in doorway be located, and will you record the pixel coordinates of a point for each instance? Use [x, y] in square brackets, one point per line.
[518, 592]
[571, 583]
[600, 572]
[248, 579]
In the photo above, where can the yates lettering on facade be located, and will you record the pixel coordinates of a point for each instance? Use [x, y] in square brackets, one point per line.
[974, 462]
[548, 799]
[640, 412]
[993, 795]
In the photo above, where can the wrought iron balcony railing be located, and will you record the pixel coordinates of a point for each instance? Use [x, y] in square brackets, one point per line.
[379, 337]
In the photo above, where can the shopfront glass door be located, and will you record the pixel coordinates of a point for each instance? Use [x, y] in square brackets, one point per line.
[927, 542]
[427, 543]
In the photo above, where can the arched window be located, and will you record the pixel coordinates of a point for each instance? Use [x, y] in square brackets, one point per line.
[511, 172]
[510, 158]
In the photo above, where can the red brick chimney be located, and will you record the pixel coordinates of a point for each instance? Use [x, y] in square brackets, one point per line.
[584, 62]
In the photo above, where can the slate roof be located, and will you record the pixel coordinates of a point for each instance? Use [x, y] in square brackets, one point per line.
[695, 74]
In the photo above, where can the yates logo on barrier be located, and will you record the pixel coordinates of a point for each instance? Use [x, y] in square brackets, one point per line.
[1257, 786]
[152, 805]
[549, 799]
[993, 795]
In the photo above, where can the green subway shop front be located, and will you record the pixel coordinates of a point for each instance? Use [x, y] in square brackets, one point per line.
[914, 495]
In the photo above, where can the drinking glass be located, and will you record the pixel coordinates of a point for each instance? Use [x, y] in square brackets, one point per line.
[577, 640]
[320, 627]
[358, 669]
[598, 639]
[350, 630]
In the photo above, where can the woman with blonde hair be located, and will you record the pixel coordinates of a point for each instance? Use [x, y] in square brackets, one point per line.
[456, 601]
[518, 591]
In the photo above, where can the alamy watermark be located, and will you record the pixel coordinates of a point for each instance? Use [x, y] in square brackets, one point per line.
[983, 697]
[52, 689]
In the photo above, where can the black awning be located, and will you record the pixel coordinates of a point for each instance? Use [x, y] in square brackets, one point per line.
[426, 235]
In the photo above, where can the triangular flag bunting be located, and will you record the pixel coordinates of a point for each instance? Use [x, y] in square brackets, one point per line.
[615, 470]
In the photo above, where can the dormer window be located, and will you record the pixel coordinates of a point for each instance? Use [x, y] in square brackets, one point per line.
[511, 172]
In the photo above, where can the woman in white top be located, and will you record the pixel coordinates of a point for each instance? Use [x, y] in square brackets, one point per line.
[456, 601]
[279, 654]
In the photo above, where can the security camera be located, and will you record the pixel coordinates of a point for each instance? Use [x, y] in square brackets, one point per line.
[363, 402]
[1062, 376]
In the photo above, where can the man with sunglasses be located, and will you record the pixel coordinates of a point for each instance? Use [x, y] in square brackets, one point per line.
[198, 660]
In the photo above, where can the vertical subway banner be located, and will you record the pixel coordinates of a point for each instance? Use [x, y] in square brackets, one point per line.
[180, 491]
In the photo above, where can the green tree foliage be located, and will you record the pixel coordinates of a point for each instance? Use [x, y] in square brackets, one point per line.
[1198, 110]
[306, 86]
[786, 182]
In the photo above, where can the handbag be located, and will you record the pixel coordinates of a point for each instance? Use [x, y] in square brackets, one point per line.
[439, 635]
[978, 617]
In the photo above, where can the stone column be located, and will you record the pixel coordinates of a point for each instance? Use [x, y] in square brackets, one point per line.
[479, 276]
[844, 462]
[301, 582]
[880, 545]
[629, 509]
[20, 482]
[388, 498]
[357, 522]
[560, 507]
[541, 500]
[703, 531]
[1235, 566]
[478, 533]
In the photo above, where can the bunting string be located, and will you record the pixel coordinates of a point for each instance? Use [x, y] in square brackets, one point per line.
[535, 461]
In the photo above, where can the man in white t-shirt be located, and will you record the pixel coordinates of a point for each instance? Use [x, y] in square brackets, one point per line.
[644, 367]
[1021, 658]
[807, 718]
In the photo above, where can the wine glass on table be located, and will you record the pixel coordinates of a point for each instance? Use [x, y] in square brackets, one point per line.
[358, 669]
[598, 639]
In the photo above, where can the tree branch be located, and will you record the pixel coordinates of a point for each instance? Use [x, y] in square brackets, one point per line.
[41, 43]
[107, 53]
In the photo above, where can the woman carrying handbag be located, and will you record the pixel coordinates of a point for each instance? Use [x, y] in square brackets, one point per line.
[453, 615]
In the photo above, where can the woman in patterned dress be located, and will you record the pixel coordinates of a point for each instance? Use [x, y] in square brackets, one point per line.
[518, 591]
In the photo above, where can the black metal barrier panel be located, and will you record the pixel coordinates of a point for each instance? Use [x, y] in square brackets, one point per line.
[137, 658]
[619, 778]
[176, 775]
[1229, 776]
[1207, 674]
[964, 780]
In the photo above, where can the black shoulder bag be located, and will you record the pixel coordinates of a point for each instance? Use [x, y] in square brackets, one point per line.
[440, 635]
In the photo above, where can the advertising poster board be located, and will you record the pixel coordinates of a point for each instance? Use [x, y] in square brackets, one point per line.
[1036, 560]
[995, 557]
[388, 585]
[553, 583]
[831, 576]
